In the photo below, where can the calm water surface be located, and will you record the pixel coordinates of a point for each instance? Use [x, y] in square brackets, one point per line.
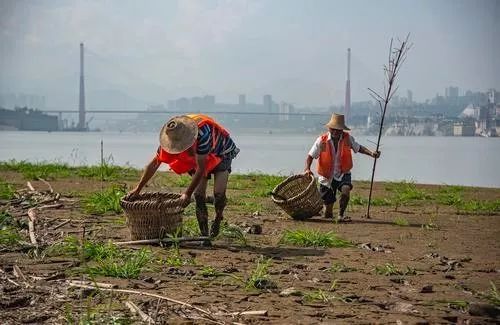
[434, 160]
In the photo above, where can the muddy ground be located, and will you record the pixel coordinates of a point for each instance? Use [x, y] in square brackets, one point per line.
[449, 262]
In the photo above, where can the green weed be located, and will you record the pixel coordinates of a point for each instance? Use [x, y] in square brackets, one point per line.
[479, 207]
[259, 277]
[183, 181]
[232, 233]
[313, 238]
[405, 192]
[190, 227]
[6, 190]
[402, 222]
[210, 271]
[33, 171]
[104, 201]
[128, 266]
[450, 195]
[9, 234]
[493, 295]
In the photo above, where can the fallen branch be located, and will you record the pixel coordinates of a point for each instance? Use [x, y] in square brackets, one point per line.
[28, 183]
[61, 224]
[46, 183]
[203, 311]
[51, 206]
[136, 310]
[18, 273]
[100, 285]
[163, 241]
[31, 225]
[247, 313]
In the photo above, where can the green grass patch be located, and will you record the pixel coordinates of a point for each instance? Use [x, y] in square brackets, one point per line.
[105, 258]
[6, 190]
[183, 181]
[493, 296]
[259, 277]
[313, 238]
[450, 195]
[402, 222]
[9, 233]
[104, 201]
[53, 170]
[406, 192]
[127, 266]
[479, 207]
[390, 269]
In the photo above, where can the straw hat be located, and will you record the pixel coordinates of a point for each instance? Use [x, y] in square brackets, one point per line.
[337, 121]
[178, 134]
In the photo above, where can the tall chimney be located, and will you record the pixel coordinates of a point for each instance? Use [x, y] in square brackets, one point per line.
[347, 106]
[81, 103]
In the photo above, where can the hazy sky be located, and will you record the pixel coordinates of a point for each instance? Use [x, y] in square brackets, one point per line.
[295, 50]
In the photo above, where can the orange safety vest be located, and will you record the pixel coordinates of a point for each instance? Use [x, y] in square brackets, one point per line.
[326, 158]
[183, 162]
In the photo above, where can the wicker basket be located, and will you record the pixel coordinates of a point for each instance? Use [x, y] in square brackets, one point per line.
[153, 215]
[298, 195]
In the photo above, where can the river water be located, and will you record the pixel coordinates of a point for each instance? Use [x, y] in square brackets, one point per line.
[471, 161]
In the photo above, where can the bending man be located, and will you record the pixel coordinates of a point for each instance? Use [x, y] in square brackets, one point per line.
[198, 145]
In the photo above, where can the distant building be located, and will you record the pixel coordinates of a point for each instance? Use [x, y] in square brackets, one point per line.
[242, 101]
[267, 101]
[410, 96]
[465, 128]
[451, 92]
[182, 104]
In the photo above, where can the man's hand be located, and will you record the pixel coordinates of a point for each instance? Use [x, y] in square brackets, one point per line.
[308, 172]
[185, 200]
[376, 154]
[134, 193]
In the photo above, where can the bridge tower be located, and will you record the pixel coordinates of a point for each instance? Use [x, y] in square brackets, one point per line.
[347, 106]
[81, 103]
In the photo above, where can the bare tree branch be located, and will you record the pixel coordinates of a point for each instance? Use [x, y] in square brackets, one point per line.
[397, 56]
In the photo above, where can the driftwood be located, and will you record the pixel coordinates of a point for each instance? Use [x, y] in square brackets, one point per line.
[31, 225]
[61, 224]
[136, 310]
[98, 284]
[163, 241]
[203, 311]
[31, 188]
[51, 190]
[18, 273]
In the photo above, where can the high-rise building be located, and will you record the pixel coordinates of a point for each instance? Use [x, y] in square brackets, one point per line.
[451, 92]
[267, 101]
[410, 96]
[242, 101]
[81, 103]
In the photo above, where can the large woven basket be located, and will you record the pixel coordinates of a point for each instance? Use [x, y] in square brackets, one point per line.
[153, 215]
[298, 195]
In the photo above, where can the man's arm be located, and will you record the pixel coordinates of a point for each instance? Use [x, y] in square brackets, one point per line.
[368, 152]
[200, 172]
[149, 171]
[307, 169]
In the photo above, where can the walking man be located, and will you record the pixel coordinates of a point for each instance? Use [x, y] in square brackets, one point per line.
[198, 145]
[333, 151]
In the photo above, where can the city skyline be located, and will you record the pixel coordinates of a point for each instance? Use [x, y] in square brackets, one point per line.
[293, 50]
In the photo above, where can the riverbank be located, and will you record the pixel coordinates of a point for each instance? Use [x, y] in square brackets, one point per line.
[430, 253]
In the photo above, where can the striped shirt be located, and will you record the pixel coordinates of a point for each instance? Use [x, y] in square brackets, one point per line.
[223, 146]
